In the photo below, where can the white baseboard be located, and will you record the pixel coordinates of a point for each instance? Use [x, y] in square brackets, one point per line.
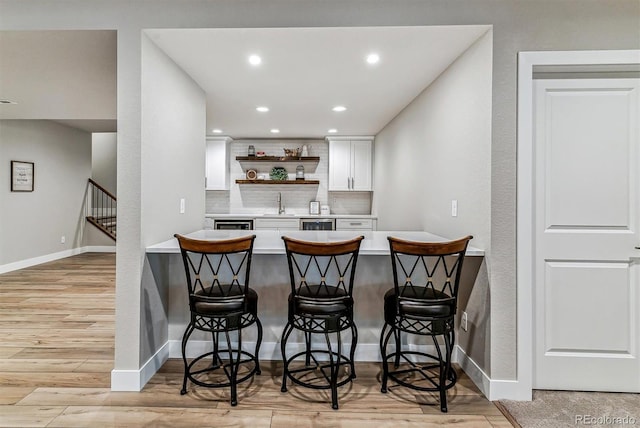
[135, 380]
[475, 373]
[22, 264]
[100, 249]
[493, 389]
[10, 267]
[509, 390]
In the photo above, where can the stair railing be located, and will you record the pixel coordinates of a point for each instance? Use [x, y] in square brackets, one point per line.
[102, 208]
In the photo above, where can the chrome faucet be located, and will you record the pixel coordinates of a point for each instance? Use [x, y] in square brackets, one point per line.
[280, 206]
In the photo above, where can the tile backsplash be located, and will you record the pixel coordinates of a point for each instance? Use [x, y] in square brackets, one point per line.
[258, 199]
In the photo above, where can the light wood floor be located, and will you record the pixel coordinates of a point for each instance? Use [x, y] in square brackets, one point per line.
[56, 354]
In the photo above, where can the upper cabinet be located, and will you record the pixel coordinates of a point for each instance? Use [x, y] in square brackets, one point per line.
[350, 163]
[217, 163]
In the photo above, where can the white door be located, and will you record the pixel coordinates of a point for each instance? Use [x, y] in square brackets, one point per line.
[587, 217]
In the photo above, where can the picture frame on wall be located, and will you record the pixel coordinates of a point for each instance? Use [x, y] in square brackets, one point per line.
[22, 176]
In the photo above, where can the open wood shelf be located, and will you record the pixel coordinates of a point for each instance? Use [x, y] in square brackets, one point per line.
[277, 182]
[278, 158]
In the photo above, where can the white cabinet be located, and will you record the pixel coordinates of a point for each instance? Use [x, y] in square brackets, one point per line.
[217, 163]
[277, 224]
[350, 163]
[355, 224]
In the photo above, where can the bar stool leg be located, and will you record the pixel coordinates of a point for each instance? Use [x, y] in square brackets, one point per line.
[258, 343]
[445, 374]
[396, 361]
[354, 342]
[384, 341]
[307, 342]
[185, 338]
[214, 354]
[334, 373]
[283, 344]
[232, 378]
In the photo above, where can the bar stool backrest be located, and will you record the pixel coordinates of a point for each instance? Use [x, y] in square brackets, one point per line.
[217, 271]
[427, 273]
[322, 269]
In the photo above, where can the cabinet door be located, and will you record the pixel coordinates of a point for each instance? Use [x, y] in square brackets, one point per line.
[217, 164]
[361, 176]
[339, 164]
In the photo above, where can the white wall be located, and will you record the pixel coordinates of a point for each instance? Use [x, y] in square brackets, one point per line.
[104, 160]
[173, 166]
[32, 223]
[438, 149]
[173, 136]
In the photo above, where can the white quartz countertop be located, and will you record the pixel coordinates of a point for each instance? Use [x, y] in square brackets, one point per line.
[270, 241]
[250, 216]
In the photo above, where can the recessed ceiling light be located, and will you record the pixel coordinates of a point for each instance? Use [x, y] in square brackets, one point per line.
[217, 131]
[7, 102]
[262, 109]
[339, 108]
[255, 60]
[332, 131]
[275, 131]
[373, 58]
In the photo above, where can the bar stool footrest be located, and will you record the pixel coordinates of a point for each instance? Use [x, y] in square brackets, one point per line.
[221, 367]
[318, 366]
[422, 368]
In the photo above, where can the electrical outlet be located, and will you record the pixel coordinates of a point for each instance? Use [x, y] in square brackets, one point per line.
[454, 208]
[463, 322]
[182, 206]
[63, 239]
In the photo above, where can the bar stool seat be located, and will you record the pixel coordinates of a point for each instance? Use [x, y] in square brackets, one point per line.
[411, 307]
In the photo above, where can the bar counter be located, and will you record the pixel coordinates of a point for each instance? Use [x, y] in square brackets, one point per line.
[167, 309]
[270, 241]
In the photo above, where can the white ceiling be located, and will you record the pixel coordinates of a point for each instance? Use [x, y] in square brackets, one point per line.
[70, 76]
[307, 71]
[67, 76]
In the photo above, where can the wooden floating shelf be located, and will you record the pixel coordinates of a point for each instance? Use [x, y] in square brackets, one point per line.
[277, 182]
[279, 158]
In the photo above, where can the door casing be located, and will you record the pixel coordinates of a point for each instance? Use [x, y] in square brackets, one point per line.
[521, 389]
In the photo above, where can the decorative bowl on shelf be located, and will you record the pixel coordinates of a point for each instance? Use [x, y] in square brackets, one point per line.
[278, 173]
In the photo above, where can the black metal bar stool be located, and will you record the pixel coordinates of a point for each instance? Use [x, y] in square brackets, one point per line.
[321, 302]
[220, 301]
[423, 302]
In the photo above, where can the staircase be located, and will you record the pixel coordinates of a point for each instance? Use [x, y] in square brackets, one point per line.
[101, 209]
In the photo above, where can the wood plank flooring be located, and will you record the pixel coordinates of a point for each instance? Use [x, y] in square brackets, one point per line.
[56, 355]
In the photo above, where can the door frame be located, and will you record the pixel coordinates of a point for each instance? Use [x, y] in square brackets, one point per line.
[525, 206]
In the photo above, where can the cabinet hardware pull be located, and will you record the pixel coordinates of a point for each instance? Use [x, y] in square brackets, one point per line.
[356, 224]
[638, 247]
